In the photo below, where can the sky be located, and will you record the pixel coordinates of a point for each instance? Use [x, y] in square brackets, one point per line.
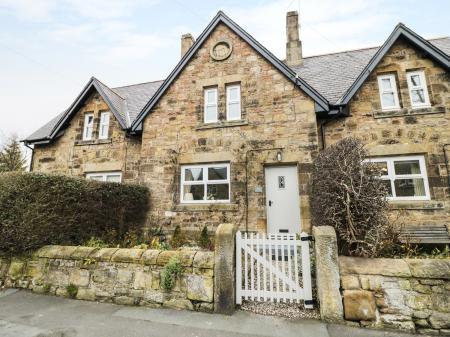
[49, 49]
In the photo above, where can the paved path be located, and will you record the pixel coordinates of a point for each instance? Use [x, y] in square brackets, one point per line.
[24, 314]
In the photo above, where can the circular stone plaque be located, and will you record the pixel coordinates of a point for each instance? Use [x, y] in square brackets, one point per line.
[221, 50]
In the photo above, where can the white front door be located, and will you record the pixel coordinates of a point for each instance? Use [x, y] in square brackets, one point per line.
[282, 199]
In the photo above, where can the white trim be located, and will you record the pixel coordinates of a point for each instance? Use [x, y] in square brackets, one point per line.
[210, 105]
[391, 176]
[423, 87]
[391, 78]
[88, 126]
[104, 175]
[104, 121]
[236, 101]
[205, 182]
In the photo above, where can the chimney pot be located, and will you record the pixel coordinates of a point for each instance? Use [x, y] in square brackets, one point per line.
[186, 42]
[293, 44]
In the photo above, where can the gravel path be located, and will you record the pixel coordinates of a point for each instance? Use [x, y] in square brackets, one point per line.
[286, 310]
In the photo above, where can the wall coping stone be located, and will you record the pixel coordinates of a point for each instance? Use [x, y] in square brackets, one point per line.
[83, 252]
[129, 255]
[204, 260]
[150, 256]
[370, 266]
[56, 252]
[429, 268]
[103, 254]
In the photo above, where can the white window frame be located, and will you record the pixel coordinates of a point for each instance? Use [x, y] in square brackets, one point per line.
[88, 127]
[104, 122]
[236, 101]
[423, 86]
[205, 182]
[211, 105]
[391, 176]
[104, 175]
[391, 78]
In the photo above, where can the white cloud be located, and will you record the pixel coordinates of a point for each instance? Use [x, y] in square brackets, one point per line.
[29, 9]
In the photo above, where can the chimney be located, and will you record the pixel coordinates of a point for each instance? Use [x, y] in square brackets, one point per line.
[293, 44]
[186, 42]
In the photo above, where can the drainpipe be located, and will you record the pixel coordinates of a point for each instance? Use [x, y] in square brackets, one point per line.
[341, 112]
[32, 155]
[446, 163]
[246, 179]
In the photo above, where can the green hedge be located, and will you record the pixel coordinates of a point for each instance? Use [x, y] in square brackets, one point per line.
[39, 209]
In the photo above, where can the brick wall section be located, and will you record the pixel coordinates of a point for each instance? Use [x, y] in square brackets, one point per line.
[122, 276]
[423, 131]
[405, 294]
[275, 113]
[70, 155]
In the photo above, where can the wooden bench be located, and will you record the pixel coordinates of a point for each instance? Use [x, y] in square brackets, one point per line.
[425, 234]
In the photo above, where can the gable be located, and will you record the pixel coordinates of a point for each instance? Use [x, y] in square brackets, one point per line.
[221, 18]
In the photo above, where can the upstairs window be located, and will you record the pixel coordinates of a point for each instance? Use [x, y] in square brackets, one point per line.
[210, 113]
[205, 183]
[233, 102]
[104, 125]
[111, 177]
[405, 177]
[388, 92]
[417, 87]
[88, 126]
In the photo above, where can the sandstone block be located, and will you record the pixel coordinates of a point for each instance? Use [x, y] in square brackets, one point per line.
[165, 257]
[349, 282]
[365, 266]
[199, 288]
[187, 257]
[56, 252]
[441, 302]
[429, 268]
[417, 302]
[152, 296]
[130, 255]
[150, 256]
[440, 320]
[83, 252]
[103, 254]
[86, 294]
[359, 305]
[204, 260]
[124, 276]
[175, 303]
[79, 277]
[16, 269]
[142, 280]
[124, 300]
[156, 280]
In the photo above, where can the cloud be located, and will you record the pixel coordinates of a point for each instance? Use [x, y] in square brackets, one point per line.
[29, 9]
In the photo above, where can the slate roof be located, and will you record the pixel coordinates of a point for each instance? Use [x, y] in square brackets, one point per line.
[333, 74]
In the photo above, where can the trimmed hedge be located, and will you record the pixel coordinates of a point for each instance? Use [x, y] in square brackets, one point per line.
[40, 209]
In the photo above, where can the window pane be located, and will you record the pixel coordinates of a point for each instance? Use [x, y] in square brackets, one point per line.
[211, 113]
[409, 187]
[211, 96]
[217, 173]
[234, 111]
[388, 185]
[193, 174]
[407, 167]
[217, 192]
[382, 167]
[418, 96]
[96, 178]
[415, 80]
[193, 192]
[90, 120]
[386, 84]
[233, 93]
[388, 100]
[113, 178]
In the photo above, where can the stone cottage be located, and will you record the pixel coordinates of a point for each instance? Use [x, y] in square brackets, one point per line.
[231, 133]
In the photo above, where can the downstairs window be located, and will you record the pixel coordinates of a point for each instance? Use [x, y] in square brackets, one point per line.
[110, 177]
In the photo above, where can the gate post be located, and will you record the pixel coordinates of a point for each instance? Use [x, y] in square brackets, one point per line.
[225, 269]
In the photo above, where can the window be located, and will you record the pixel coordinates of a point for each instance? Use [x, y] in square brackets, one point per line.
[211, 115]
[405, 177]
[417, 87]
[388, 92]
[104, 125]
[88, 126]
[205, 183]
[233, 102]
[111, 177]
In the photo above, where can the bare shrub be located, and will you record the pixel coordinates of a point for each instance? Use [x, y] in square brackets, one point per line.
[348, 195]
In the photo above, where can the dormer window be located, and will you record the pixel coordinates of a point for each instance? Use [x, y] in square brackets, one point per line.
[104, 125]
[417, 87]
[210, 110]
[388, 92]
[88, 126]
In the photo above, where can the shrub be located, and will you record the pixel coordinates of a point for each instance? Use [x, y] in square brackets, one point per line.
[72, 290]
[204, 240]
[39, 209]
[178, 238]
[348, 195]
[171, 271]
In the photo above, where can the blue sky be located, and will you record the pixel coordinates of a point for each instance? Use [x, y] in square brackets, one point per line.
[50, 48]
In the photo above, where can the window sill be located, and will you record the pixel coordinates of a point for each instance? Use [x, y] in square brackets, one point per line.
[415, 205]
[221, 124]
[409, 111]
[206, 207]
[93, 142]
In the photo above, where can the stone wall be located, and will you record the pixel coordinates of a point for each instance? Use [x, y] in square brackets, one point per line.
[406, 294]
[122, 276]
[70, 155]
[275, 114]
[407, 131]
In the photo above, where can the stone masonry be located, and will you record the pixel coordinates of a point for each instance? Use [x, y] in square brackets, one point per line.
[408, 131]
[406, 294]
[122, 276]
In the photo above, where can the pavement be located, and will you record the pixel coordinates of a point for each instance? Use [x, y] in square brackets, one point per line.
[24, 314]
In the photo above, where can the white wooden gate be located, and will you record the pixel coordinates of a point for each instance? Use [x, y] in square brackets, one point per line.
[273, 267]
